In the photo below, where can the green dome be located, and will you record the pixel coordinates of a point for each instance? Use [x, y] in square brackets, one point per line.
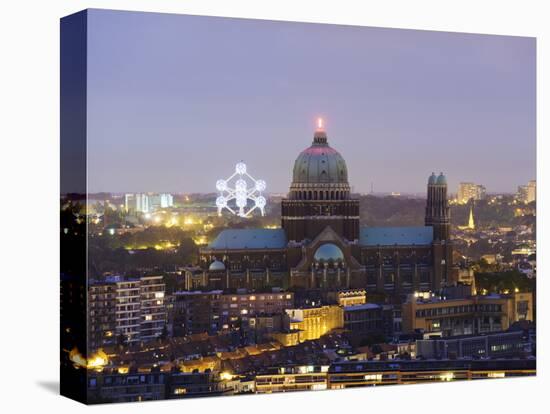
[320, 164]
[432, 179]
[328, 252]
[441, 180]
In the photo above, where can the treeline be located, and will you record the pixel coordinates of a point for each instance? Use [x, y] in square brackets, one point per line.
[391, 211]
[497, 282]
[130, 252]
[402, 211]
[491, 215]
[149, 237]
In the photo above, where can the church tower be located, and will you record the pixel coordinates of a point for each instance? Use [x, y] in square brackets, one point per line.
[438, 214]
[319, 194]
[471, 222]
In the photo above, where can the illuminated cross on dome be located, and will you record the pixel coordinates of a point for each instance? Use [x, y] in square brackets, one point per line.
[320, 123]
[241, 193]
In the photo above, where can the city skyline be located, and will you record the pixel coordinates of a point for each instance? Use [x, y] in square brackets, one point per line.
[167, 296]
[187, 111]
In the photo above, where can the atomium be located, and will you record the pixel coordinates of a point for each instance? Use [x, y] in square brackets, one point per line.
[245, 188]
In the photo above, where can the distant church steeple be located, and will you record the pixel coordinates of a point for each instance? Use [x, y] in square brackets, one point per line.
[471, 223]
[438, 214]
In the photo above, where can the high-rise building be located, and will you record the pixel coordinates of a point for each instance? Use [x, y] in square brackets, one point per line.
[139, 203]
[101, 311]
[152, 307]
[532, 191]
[145, 203]
[470, 191]
[163, 200]
[132, 309]
[527, 193]
[127, 310]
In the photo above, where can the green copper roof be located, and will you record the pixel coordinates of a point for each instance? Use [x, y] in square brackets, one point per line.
[441, 179]
[328, 252]
[216, 265]
[234, 239]
[390, 236]
[320, 163]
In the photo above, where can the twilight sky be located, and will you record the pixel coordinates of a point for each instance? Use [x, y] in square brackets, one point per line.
[175, 101]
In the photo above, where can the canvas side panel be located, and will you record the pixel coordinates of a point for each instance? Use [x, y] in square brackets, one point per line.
[73, 227]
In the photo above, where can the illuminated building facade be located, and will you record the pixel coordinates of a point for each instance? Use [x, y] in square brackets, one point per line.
[101, 314]
[163, 200]
[466, 316]
[152, 307]
[364, 373]
[527, 193]
[137, 202]
[145, 203]
[321, 244]
[125, 310]
[470, 191]
[352, 374]
[212, 312]
[312, 323]
[348, 297]
[296, 378]
[496, 345]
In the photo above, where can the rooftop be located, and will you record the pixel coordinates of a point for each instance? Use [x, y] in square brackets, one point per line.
[234, 239]
[390, 236]
[364, 306]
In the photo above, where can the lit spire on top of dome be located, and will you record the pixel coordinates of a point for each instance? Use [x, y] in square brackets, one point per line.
[320, 136]
[320, 124]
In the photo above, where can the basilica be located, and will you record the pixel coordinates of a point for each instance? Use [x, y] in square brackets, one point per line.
[322, 245]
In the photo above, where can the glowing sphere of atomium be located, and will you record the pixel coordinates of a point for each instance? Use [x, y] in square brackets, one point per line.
[245, 188]
[221, 185]
[240, 168]
[261, 201]
[241, 201]
[240, 185]
[260, 185]
[221, 202]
